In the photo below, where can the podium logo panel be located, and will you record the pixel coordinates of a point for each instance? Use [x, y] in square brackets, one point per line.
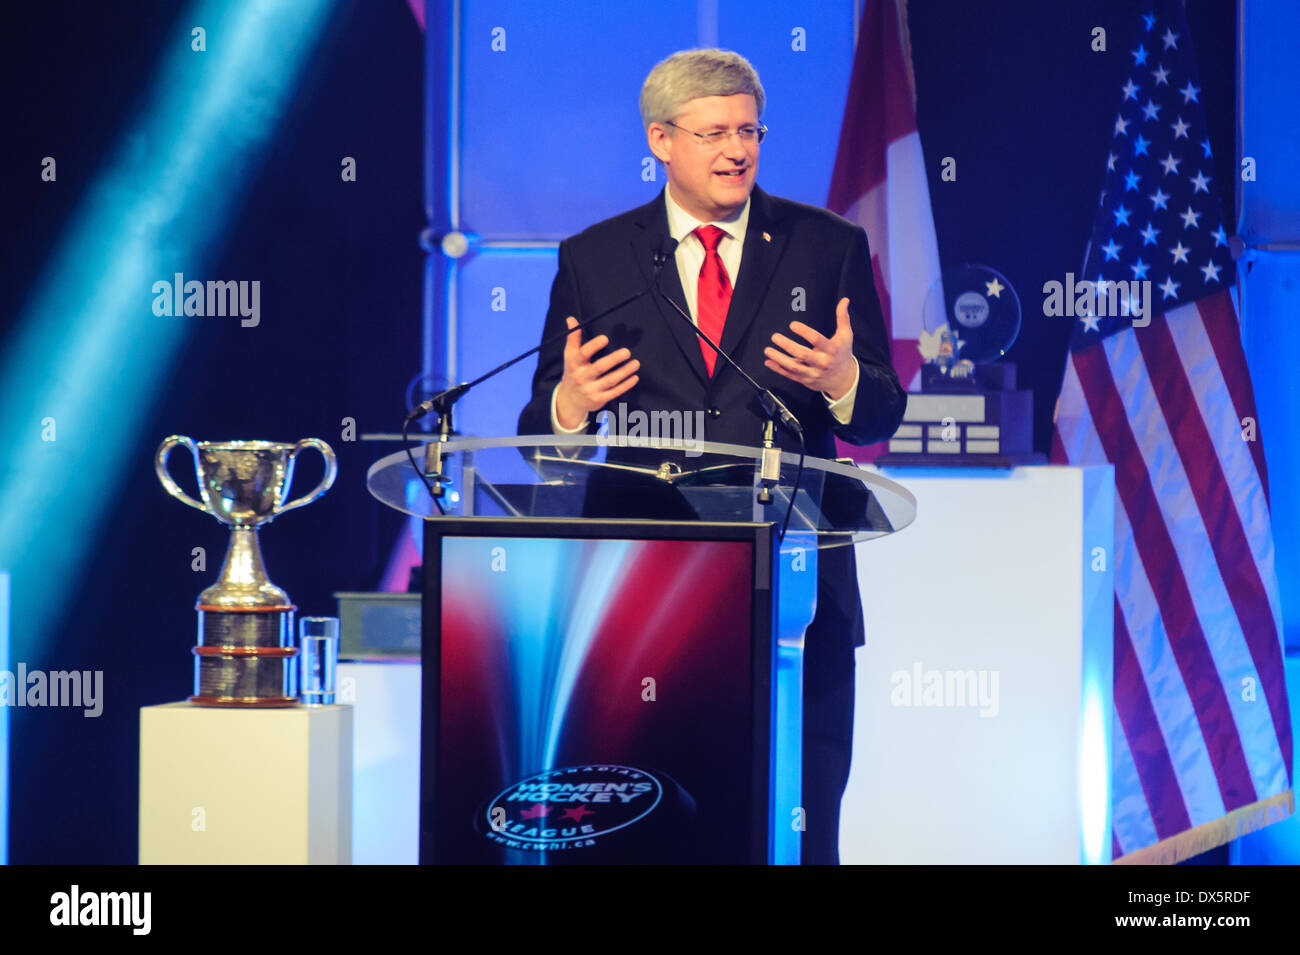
[550, 749]
[571, 808]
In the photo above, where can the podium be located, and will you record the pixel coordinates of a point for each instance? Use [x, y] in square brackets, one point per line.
[612, 639]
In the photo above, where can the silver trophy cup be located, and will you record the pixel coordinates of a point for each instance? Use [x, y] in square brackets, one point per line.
[245, 654]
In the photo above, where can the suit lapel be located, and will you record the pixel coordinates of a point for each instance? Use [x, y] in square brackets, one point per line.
[764, 244]
[653, 234]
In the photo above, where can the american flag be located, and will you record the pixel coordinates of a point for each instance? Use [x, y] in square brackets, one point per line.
[1202, 734]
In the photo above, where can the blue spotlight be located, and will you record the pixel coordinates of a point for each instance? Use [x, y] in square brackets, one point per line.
[88, 355]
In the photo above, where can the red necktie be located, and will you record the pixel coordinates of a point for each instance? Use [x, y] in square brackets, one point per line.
[713, 294]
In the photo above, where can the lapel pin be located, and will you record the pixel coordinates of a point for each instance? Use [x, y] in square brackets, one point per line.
[767, 237]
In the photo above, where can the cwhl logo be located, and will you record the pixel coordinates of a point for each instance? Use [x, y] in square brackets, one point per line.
[570, 808]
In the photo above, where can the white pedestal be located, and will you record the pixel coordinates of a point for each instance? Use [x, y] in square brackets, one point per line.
[223, 785]
[1003, 585]
[385, 697]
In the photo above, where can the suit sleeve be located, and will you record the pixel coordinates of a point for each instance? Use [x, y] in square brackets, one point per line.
[880, 402]
[536, 416]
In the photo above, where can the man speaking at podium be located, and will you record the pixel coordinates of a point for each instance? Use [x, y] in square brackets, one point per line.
[786, 289]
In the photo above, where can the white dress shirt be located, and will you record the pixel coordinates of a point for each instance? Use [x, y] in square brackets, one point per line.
[690, 259]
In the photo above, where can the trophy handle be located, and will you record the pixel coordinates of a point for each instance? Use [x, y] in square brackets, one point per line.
[160, 465]
[331, 471]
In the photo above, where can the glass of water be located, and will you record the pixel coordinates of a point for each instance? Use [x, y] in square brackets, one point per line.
[318, 658]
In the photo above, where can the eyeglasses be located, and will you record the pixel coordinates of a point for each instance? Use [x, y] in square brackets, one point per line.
[715, 139]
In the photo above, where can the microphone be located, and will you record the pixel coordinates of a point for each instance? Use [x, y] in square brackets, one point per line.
[769, 466]
[772, 405]
[443, 401]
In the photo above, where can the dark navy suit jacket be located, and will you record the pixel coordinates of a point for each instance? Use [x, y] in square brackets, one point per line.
[798, 261]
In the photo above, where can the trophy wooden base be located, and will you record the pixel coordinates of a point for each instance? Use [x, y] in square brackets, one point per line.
[245, 658]
[241, 701]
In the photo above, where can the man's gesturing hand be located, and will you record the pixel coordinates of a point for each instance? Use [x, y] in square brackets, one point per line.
[588, 385]
[828, 366]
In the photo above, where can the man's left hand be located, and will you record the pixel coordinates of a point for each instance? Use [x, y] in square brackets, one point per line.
[825, 364]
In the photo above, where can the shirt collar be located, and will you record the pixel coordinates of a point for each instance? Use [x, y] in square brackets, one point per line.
[681, 223]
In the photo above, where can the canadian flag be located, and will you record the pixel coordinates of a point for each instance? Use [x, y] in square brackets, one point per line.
[879, 182]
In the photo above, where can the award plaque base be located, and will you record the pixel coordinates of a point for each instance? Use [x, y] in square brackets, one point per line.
[245, 657]
[972, 429]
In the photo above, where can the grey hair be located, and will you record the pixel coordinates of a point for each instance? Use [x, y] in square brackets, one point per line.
[690, 74]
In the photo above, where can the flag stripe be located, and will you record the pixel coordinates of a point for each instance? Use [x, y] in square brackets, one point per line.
[1175, 717]
[1195, 663]
[1195, 537]
[1225, 335]
[1205, 377]
[1132, 824]
[1174, 724]
[1145, 743]
[1250, 616]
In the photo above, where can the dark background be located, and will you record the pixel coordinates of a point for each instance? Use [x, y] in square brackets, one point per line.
[339, 337]
[1010, 89]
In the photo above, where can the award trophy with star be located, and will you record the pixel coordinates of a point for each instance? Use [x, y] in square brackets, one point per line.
[968, 412]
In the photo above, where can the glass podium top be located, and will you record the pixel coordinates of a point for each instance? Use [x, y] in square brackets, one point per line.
[625, 478]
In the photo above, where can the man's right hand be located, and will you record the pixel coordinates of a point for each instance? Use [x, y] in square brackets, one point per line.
[588, 385]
